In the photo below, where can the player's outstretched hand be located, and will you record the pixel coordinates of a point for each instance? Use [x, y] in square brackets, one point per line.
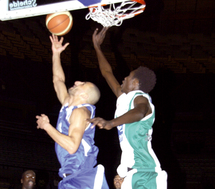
[42, 121]
[101, 123]
[57, 46]
[98, 38]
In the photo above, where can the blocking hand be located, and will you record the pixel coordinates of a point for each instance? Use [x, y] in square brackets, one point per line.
[98, 38]
[101, 123]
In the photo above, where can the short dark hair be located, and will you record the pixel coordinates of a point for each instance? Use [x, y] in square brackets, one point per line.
[146, 77]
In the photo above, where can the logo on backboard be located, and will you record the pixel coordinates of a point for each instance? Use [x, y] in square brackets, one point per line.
[15, 5]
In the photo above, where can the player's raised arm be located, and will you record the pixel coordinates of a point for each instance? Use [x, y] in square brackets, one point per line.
[104, 65]
[58, 73]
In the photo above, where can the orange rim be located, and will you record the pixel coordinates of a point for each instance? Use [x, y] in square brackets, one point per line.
[140, 1]
[135, 13]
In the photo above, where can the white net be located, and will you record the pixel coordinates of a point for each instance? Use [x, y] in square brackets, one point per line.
[114, 14]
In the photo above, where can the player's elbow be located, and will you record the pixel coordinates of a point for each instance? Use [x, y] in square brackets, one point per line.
[57, 79]
[72, 150]
[104, 73]
[140, 111]
[139, 115]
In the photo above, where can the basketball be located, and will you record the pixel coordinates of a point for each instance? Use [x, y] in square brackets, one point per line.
[59, 23]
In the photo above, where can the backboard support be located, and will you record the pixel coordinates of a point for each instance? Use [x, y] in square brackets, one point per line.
[16, 9]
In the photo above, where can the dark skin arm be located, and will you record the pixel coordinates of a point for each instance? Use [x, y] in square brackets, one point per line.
[104, 65]
[141, 104]
[140, 110]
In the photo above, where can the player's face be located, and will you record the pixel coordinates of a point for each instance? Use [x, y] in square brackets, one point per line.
[79, 86]
[28, 180]
[128, 83]
[117, 181]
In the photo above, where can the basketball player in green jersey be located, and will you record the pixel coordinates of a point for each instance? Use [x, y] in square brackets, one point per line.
[134, 118]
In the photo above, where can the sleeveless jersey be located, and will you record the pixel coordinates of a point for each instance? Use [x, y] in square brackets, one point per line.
[135, 138]
[86, 156]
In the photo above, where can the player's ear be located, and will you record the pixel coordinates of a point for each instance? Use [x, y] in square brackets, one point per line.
[21, 180]
[84, 96]
[136, 83]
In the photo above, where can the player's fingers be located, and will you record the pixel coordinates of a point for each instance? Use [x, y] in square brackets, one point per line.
[95, 32]
[94, 122]
[103, 124]
[89, 120]
[61, 39]
[100, 126]
[65, 45]
[93, 119]
[97, 122]
[106, 29]
[55, 37]
[51, 38]
[102, 32]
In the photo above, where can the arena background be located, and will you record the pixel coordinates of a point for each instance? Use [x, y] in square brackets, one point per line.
[174, 38]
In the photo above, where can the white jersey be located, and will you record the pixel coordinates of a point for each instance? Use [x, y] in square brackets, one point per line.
[135, 138]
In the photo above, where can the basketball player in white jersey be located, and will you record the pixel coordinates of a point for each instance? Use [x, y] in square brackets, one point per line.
[134, 118]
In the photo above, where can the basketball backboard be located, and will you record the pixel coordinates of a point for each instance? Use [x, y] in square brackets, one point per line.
[15, 9]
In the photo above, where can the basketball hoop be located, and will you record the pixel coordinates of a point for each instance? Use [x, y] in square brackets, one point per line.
[114, 15]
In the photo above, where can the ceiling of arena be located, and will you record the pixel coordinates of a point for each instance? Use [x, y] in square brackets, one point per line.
[179, 35]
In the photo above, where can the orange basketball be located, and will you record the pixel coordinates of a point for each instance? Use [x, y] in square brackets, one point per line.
[59, 23]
